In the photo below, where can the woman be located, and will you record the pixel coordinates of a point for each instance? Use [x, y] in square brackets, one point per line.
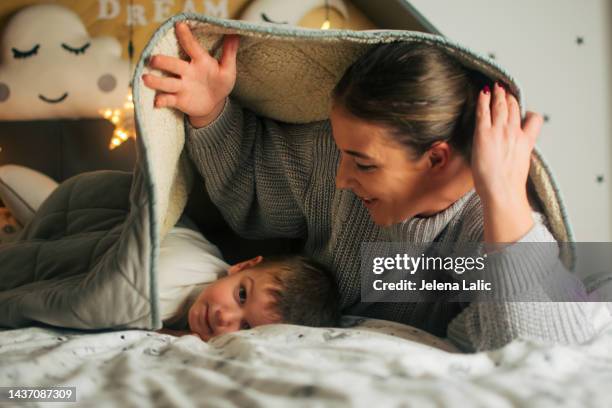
[421, 150]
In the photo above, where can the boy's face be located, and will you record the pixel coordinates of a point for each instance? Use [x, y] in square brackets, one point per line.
[238, 301]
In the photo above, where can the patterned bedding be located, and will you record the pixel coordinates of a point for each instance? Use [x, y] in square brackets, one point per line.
[372, 364]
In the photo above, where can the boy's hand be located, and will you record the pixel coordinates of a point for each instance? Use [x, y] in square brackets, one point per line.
[197, 87]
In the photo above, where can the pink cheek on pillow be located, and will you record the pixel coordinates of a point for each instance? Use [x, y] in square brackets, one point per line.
[5, 92]
[106, 83]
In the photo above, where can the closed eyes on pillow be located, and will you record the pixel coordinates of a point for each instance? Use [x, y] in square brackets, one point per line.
[25, 54]
[76, 51]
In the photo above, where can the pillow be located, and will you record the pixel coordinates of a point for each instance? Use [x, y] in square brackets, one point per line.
[187, 262]
[53, 68]
[23, 190]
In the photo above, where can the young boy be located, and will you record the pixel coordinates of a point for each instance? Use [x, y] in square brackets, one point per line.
[200, 293]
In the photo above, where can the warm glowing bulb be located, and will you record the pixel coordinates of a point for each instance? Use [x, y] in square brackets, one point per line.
[326, 25]
[122, 120]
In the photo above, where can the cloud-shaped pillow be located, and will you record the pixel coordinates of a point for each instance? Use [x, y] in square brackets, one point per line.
[288, 11]
[52, 68]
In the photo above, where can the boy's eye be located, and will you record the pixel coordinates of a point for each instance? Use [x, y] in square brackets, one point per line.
[76, 51]
[242, 295]
[245, 326]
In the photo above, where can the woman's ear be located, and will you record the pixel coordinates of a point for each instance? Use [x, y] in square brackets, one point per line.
[439, 155]
[241, 266]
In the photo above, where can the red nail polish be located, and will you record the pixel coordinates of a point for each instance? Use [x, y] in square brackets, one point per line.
[486, 89]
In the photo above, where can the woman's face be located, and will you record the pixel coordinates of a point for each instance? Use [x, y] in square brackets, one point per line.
[392, 185]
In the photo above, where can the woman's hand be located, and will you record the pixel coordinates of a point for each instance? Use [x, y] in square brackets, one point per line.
[501, 157]
[197, 87]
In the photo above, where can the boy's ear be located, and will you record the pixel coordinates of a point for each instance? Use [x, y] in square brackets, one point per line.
[241, 266]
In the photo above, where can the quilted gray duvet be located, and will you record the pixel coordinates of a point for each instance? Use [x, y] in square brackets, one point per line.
[85, 258]
[88, 259]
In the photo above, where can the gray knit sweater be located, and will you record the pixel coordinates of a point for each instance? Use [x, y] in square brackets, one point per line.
[272, 179]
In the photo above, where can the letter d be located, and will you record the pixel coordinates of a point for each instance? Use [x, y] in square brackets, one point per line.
[108, 9]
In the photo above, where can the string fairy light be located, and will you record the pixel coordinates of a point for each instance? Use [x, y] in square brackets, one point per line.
[123, 118]
[326, 24]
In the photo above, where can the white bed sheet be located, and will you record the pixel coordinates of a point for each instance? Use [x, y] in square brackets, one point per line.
[374, 364]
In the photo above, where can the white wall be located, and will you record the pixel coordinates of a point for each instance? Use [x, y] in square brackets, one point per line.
[536, 40]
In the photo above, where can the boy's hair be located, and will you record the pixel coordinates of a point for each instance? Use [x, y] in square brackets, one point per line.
[304, 292]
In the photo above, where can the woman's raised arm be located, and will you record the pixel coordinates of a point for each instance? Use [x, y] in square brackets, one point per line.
[257, 171]
[525, 269]
[500, 164]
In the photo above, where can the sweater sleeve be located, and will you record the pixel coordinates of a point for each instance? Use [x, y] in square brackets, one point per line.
[256, 170]
[524, 272]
